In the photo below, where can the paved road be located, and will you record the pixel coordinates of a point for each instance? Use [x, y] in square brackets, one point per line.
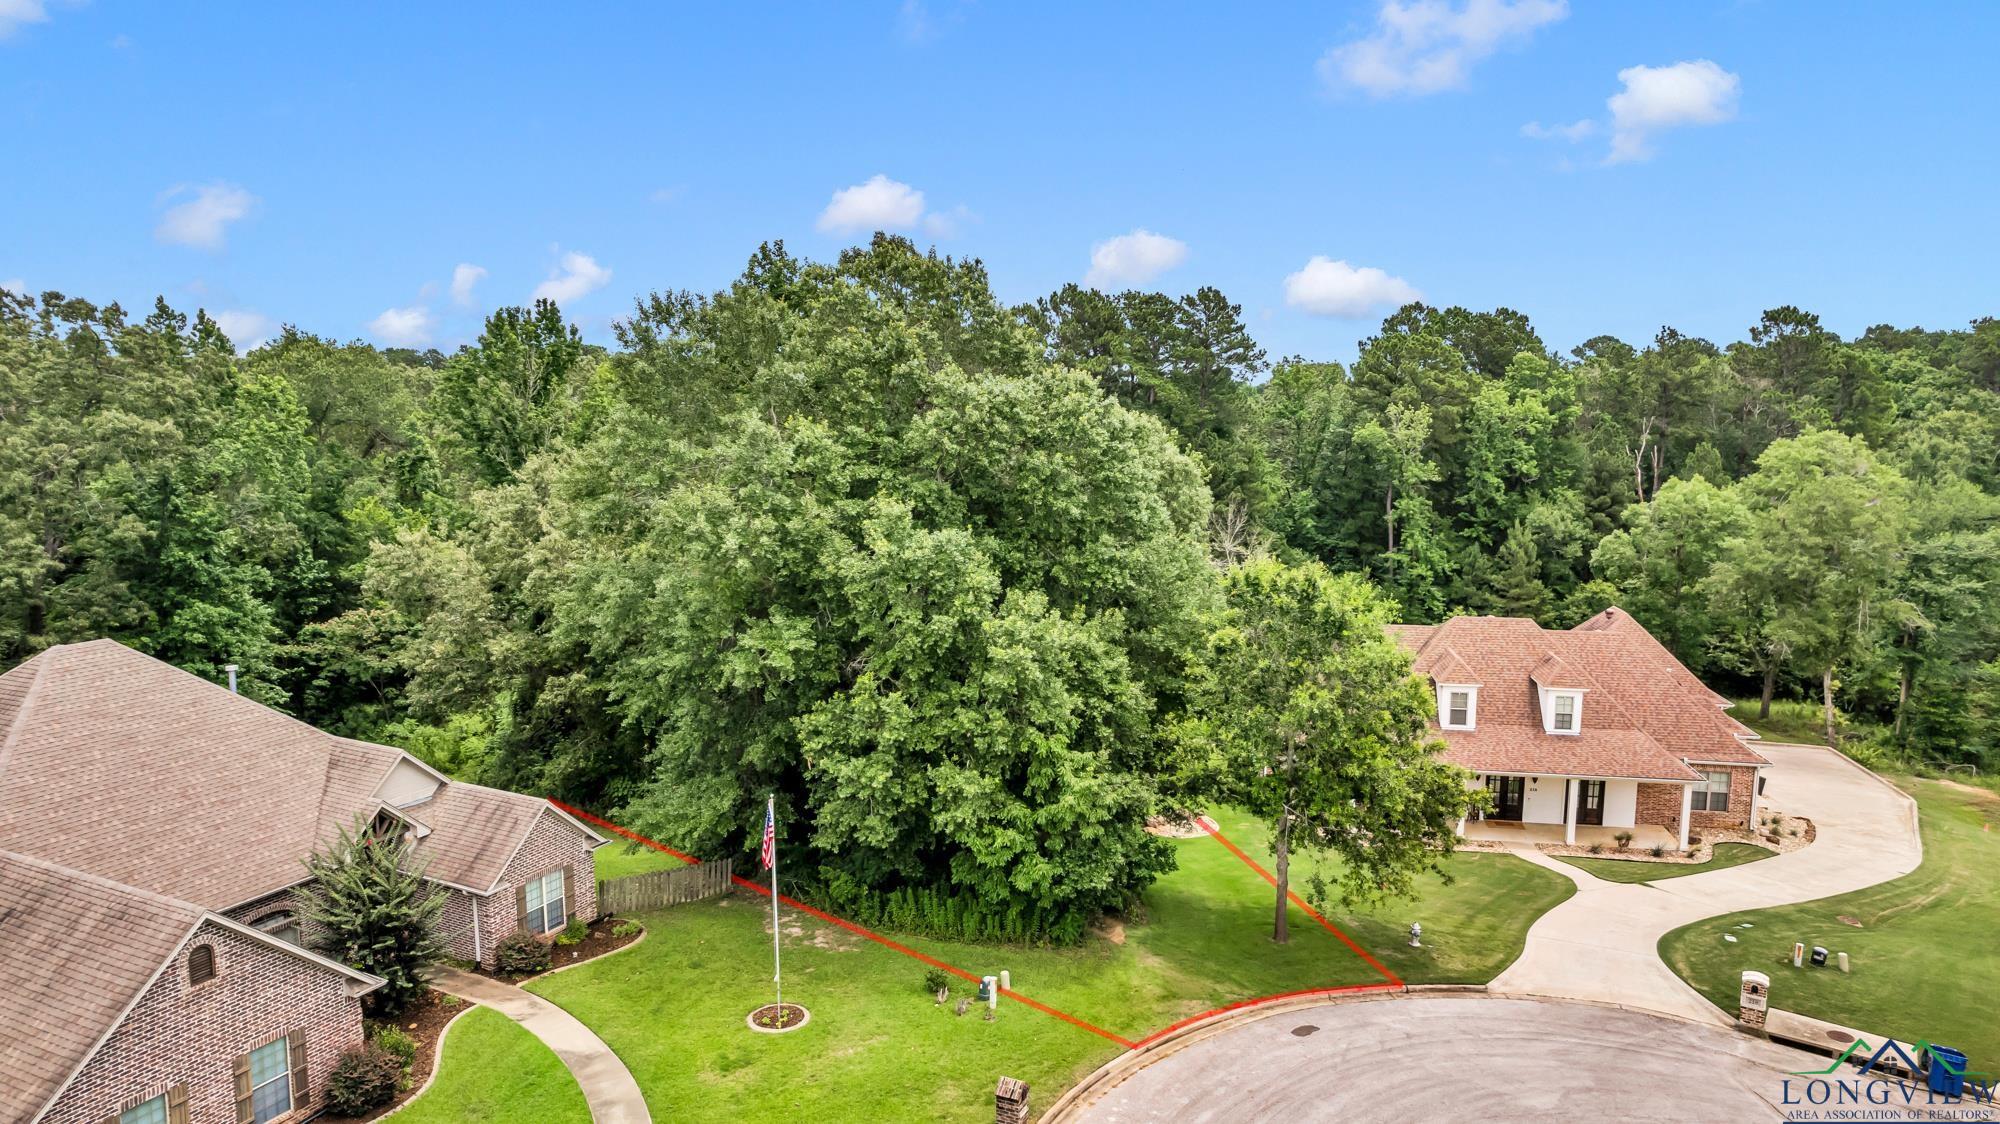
[1414, 1059]
[1602, 944]
[607, 1085]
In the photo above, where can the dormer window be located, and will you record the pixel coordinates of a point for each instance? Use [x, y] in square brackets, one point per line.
[1563, 712]
[1458, 706]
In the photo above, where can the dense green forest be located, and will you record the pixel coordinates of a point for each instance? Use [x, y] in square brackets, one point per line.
[938, 570]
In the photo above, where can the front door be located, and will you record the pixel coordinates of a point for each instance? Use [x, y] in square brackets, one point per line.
[1508, 793]
[1590, 803]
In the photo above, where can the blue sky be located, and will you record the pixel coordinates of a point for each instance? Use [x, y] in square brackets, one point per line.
[335, 165]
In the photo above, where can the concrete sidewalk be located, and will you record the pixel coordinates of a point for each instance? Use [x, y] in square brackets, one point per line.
[607, 1085]
[1602, 944]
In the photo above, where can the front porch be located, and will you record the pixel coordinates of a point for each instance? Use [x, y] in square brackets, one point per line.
[1645, 836]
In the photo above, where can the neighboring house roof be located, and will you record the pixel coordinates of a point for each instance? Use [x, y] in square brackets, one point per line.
[115, 763]
[1647, 716]
[76, 952]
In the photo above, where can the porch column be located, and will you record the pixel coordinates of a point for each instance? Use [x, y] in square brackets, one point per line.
[1572, 789]
[1687, 812]
[1750, 825]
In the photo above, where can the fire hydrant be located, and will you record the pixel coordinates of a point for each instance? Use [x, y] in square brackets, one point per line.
[1416, 935]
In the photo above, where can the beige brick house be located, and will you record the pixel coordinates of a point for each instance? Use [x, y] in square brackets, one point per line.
[1585, 732]
[153, 828]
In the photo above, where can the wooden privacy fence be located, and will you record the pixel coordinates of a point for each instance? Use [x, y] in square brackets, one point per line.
[658, 889]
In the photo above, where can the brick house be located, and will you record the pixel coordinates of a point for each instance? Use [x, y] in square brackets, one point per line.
[1589, 730]
[154, 966]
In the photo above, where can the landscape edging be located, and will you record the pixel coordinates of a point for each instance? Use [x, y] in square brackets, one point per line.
[437, 1060]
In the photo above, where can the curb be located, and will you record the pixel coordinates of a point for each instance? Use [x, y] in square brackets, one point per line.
[1114, 1072]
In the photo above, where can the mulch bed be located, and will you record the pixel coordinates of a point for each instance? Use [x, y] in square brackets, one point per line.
[771, 1017]
[423, 1021]
[597, 941]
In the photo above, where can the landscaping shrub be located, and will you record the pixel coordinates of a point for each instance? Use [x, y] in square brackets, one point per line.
[1624, 839]
[375, 912]
[397, 1042]
[1659, 851]
[950, 916]
[936, 980]
[521, 953]
[626, 929]
[1597, 848]
[574, 932]
[363, 1080]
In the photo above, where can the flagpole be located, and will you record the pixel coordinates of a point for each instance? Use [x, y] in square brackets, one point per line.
[777, 964]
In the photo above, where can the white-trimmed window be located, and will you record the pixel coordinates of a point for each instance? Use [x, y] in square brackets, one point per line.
[1712, 794]
[148, 1112]
[1562, 712]
[282, 924]
[1458, 706]
[270, 1080]
[546, 912]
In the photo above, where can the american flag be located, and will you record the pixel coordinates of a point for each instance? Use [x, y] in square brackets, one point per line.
[770, 849]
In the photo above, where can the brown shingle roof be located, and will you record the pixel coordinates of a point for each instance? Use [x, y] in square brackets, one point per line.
[126, 767]
[75, 951]
[1646, 714]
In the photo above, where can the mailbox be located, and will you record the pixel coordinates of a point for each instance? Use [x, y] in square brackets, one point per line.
[1819, 956]
[1756, 991]
[1754, 1001]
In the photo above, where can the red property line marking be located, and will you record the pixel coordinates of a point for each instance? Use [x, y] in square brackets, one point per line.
[1394, 980]
[855, 929]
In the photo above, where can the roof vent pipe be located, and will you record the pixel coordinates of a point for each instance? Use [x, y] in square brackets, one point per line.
[231, 669]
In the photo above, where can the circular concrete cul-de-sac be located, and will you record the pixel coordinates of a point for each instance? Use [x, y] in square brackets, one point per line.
[1413, 1059]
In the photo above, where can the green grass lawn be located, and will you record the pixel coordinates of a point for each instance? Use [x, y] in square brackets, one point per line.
[1922, 954]
[673, 1006]
[621, 857]
[1725, 856]
[492, 1070]
[1791, 720]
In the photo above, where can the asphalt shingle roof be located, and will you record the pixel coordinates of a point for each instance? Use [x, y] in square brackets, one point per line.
[1644, 714]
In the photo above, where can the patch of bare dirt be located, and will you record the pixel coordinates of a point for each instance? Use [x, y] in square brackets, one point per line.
[1110, 930]
[1169, 827]
[1846, 920]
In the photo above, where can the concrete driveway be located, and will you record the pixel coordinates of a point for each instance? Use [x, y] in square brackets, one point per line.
[1602, 944]
[1455, 1058]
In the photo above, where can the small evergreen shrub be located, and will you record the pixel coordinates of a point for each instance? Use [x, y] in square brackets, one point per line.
[626, 929]
[397, 1042]
[1624, 839]
[1597, 848]
[363, 1080]
[936, 980]
[574, 932]
[1659, 851]
[521, 953]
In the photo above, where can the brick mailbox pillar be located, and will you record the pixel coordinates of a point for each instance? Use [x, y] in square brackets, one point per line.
[1754, 1001]
[1010, 1102]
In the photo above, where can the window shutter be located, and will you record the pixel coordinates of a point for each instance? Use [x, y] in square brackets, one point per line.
[177, 1105]
[302, 1092]
[243, 1113]
[521, 906]
[569, 892]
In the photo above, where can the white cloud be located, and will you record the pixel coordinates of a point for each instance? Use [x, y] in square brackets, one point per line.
[463, 277]
[403, 327]
[245, 328]
[1423, 46]
[1697, 92]
[879, 204]
[1134, 259]
[1572, 132]
[202, 221]
[576, 276]
[1334, 288]
[14, 13]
